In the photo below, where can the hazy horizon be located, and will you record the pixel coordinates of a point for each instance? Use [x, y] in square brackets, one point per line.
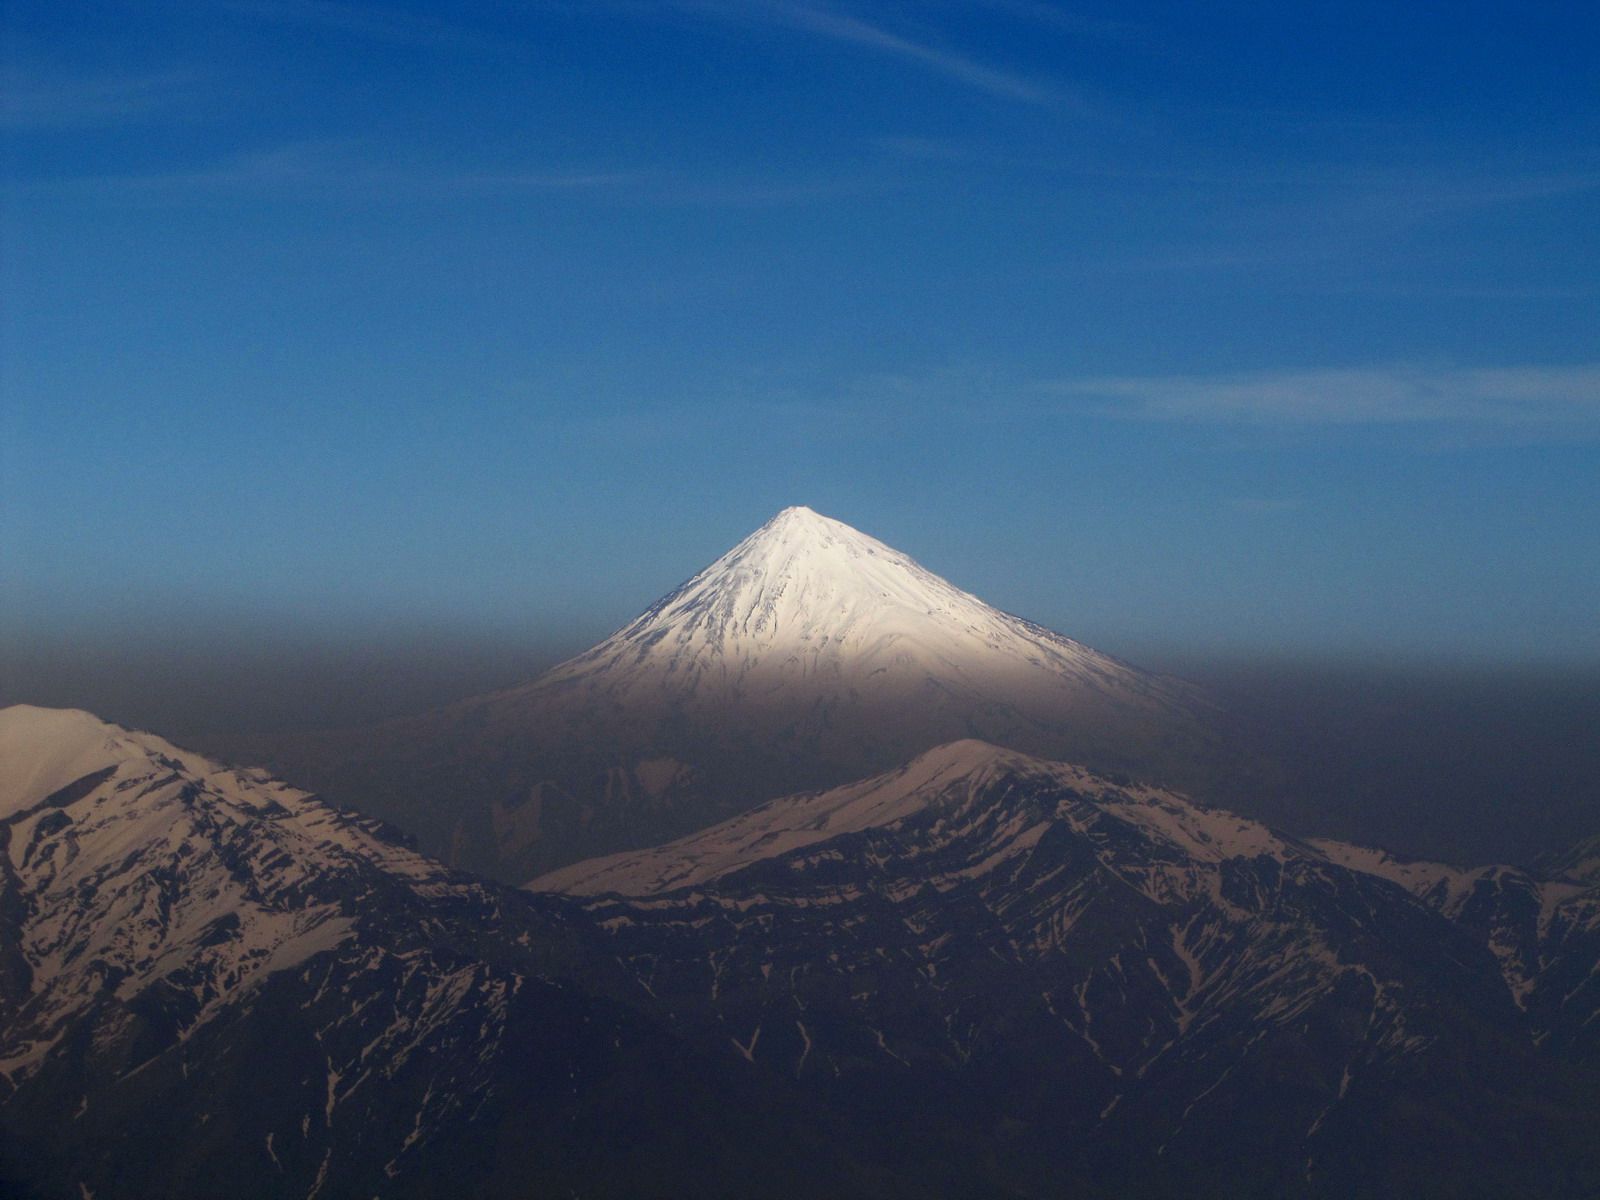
[201, 671]
[1447, 753]
[1442, 758]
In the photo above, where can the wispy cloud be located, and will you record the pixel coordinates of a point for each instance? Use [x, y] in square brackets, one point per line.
[1070, 21]
[322, 168]
[1552, 401]
[926, 149]
[368, 22]
[1446, 405]
[1326, 214]
[1510, 292]
[1262, 506]
[845, 28]
[339, 170]
[1400, 198]
[34, 98]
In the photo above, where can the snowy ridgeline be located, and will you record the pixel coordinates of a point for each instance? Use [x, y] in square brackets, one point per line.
[972, 814]
[1170, 980]
[138, 864]
[952, 781]
[214, 983]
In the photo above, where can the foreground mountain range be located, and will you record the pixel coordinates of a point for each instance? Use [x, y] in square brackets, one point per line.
[809, 655]
[978, 974]
[215, 985]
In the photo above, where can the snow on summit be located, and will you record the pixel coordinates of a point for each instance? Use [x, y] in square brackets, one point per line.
[44, 749]
[806, 601]
[805, 582]
[961, 786]
[128, 863]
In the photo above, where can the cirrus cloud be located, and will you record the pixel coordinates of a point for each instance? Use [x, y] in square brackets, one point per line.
[1557, 401]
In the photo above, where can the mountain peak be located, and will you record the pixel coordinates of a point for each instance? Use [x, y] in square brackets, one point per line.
[807, 605]
[973, 787]
[799, 539]
[44, 749]
[799, 521]
[966, 767]
[807, 583]
[798, 512]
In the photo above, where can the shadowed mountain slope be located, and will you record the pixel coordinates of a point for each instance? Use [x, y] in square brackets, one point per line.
[1126, 989]
[977, 975]
[213, 984]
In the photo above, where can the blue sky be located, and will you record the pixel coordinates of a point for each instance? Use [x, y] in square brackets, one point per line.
[1235, 327]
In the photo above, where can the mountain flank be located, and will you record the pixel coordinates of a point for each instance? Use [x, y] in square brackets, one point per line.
[977, 974]
[809, 655]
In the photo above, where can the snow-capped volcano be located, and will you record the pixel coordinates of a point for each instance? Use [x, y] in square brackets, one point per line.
[807, 598]
[808, 655]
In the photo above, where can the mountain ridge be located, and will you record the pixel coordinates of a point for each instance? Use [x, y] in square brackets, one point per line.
[213, 983]
[989, 976]
[1541, 930]
[1162, 962]
[961, 768]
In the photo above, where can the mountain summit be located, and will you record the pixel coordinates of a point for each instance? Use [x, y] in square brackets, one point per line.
[802, 584]
[807, 602]
[808, 655]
